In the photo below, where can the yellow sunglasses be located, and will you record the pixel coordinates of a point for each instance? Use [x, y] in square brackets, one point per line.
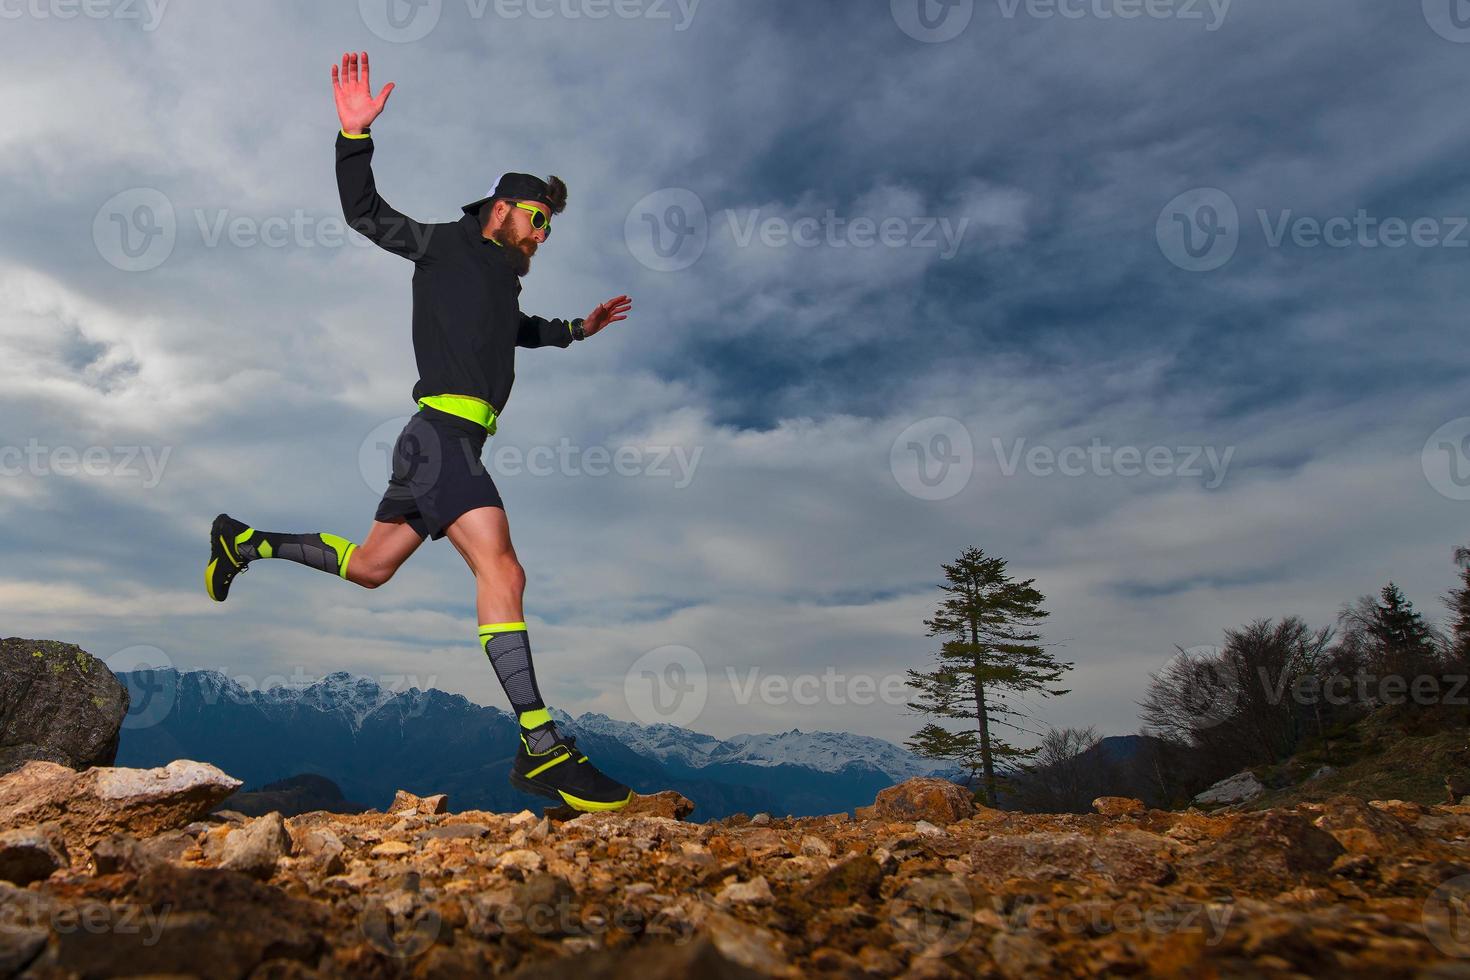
[540, 220]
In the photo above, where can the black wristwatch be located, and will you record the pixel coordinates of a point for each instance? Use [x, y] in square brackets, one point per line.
[577, 333]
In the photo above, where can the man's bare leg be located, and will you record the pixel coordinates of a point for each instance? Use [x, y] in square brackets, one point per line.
[546, 763]
[388, 545]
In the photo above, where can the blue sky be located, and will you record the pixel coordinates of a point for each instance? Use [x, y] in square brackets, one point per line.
[1042, 240]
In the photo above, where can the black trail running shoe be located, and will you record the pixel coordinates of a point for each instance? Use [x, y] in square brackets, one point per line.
[562, 773]
[224, 561]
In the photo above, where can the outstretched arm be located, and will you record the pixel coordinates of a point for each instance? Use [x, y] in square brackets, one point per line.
[535, 331]
[364, 209]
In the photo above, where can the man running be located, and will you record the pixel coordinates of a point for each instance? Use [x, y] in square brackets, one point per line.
[467, 324]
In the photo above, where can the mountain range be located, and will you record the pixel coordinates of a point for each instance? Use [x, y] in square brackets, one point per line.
[371, 742]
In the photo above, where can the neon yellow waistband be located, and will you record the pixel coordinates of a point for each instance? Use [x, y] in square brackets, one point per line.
[477, 410]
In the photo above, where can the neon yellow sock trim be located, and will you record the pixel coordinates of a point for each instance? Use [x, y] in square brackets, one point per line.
[488, 628]
[343, 548]
[534, 719]
[351, 136]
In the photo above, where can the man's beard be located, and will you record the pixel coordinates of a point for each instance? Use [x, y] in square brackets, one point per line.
[518, 250]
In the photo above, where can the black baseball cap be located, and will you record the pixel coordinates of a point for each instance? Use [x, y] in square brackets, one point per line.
[515, 187]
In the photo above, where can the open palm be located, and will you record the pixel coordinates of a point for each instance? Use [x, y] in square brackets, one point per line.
[356, 107]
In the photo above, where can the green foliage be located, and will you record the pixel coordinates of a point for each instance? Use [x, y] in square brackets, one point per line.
[989, 653]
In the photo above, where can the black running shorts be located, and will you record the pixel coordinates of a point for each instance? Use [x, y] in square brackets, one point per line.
[437, 473]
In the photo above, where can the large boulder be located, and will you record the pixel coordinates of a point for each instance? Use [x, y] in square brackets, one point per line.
[938, 801]
[58, 703]
[1239, 788]
[89, 806]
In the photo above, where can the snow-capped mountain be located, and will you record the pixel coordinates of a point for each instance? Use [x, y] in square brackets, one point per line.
[372, 741]
[822, 751]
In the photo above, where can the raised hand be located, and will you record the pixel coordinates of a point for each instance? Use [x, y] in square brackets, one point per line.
[356, 107]
[612, 311]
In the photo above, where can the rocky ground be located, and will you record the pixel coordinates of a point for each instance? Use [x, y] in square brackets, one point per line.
[126, 872]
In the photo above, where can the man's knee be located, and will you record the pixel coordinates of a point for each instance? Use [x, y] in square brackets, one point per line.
[506, 570]
[370, 574]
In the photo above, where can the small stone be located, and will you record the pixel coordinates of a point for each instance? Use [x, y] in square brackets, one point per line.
[927, 829]
[761, 819]
[1118, 806]
[520, 859]
[666, 804]
[523, 819]
[391, 848]
[815, 847]
[756, 891]
[256, 847]
[30, 854]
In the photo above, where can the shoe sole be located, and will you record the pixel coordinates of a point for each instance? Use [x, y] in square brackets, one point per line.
[216, 552]
[585, 806]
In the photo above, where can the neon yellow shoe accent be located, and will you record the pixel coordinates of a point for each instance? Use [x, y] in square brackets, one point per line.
[226, 546]
[345, 559]
[264, 549]
[534, 719]
[542, 768]
[244, 536]
[589, 806]
[209, 578]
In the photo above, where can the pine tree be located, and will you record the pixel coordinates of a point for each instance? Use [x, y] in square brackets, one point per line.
[991, 651]
[1458, 601]
[1405, 644]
